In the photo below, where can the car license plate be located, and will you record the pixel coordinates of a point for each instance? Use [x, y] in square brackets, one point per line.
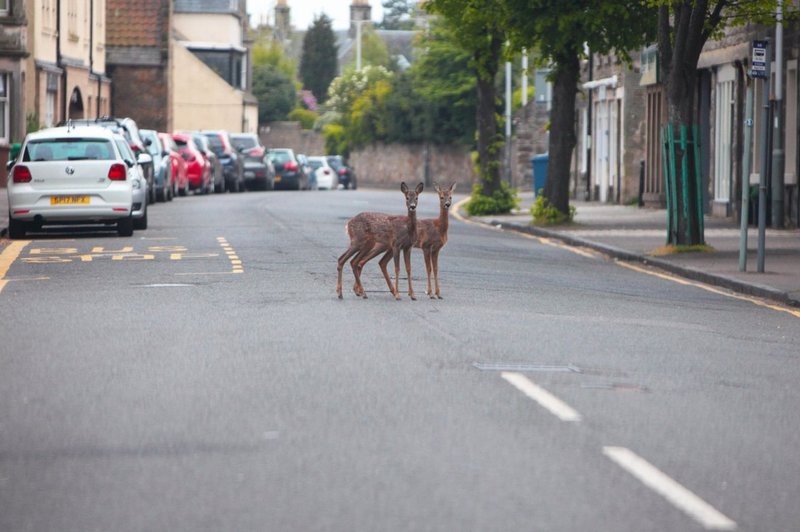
[69, 200]
[277, 178]
[249, 175]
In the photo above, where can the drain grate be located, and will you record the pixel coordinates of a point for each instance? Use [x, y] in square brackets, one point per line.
[487, 366]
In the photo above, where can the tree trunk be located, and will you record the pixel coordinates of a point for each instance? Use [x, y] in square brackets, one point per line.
[488, 62]
[562, 132]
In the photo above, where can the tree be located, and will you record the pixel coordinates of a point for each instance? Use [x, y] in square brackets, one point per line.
[275, 92]
[445, 84]
[479, 30]
[397, 15]
[561, 31]
[373, 49]
[684, 26]
[318, 62]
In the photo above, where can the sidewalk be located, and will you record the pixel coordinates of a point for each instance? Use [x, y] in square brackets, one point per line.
[632, 233]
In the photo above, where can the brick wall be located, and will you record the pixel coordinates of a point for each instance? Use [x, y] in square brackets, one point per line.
[140, 92]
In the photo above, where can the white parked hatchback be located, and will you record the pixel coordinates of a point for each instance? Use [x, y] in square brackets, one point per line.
[71, 175]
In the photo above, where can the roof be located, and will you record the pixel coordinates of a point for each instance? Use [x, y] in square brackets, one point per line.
[136, 22]
[208, 6]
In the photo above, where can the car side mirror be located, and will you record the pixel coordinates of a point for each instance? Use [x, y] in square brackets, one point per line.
[130, 163]
[10, 164]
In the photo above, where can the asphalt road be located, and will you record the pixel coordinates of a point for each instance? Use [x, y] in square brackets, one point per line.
[202, 375]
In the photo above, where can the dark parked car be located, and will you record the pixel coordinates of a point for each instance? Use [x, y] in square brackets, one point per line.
[258, 170]
[162, 163]
[127, 128]
[347, 177]
[231, 160]
[289, 172]
[217, 174]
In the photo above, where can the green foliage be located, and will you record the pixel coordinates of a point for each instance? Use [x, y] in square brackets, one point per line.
[275, 92]
[502, 201]
[373, 49]
[267, 52]
[335, 140]
[397, 15]
[32, 123]
[544, 213]
[318, 62]
[306, 117]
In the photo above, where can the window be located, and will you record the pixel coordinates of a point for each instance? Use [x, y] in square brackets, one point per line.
[4, 7]
[5, 79]
[50, 100]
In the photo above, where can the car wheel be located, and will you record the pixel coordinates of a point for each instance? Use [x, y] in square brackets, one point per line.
[16, 228]
[141, 223]
[183, 191]
[170, 192]
[125, 227]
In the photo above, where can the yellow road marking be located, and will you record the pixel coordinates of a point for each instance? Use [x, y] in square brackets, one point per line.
[236, 263]
[7, 258]
[712, 289]
[663, 275]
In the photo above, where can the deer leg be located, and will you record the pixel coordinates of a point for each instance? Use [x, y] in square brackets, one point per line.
[383, 263]
[427, 254]
[407, 259]
[435, 260]
[340, 265]
[375, 251]
[356, 267]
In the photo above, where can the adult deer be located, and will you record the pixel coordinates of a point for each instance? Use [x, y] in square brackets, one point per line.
[432, 236]
[373, 233]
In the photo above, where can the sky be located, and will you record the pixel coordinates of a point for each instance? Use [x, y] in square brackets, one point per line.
[303, 11]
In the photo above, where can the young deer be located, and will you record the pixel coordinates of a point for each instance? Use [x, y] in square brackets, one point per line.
[432, 236]
[373, 233]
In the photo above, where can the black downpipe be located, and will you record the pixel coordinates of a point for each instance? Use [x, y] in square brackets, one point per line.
[589, 131]
[60, 63]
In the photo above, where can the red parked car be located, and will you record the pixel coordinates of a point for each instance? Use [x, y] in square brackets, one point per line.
[198, 168]
[180, 179]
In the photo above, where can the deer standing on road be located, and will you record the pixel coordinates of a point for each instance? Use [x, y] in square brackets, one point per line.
[432, 236]
[373, 233]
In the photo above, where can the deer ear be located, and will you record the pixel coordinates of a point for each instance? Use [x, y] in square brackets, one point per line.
[420, 187]
[403, 187]
[452, 188]
[436, 186]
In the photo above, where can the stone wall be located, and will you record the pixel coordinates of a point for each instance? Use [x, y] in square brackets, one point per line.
[291, 135]
[386, 165]
[382, 165]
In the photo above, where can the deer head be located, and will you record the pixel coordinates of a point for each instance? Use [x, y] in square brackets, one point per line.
[445, 194]
[412, 196]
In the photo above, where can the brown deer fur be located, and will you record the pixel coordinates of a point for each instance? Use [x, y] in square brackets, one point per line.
[373, 233]
[432, 236]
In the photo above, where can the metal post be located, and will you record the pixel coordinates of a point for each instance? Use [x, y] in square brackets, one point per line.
[508, 122]
[358, 44]
[746, 163]
[524, 77]
[777, 135]
[641, 183]
[766, 131]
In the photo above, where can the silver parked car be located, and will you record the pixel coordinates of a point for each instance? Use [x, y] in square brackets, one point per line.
[259, 174]
[71, 175]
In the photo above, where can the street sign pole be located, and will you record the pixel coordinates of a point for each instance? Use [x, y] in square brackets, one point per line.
[748, 146]
[761, 69]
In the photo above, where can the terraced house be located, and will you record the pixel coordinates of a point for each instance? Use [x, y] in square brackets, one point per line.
[182, 65]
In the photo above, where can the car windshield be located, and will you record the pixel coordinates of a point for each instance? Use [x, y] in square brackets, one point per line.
[68, 149]
[315, 163]
[216, 144]
[335, 162]
[154, 148]
[280, 157]
[244, 142]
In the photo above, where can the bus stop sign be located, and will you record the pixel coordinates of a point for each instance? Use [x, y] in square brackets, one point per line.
[759, 66]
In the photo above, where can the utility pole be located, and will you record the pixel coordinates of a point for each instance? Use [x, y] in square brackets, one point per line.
[748, 146]
[358, 44]
[508, 122]
[766, 134]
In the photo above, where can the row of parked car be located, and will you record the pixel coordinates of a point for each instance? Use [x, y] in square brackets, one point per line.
[107, 171]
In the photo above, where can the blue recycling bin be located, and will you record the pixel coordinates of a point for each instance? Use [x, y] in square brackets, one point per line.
[539, 164]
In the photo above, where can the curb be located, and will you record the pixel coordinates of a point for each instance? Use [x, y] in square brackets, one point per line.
[734, 285]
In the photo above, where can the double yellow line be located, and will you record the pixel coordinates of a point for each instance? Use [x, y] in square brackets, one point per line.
[7, 258]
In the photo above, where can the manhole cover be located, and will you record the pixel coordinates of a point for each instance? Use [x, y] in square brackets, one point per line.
[488, 366]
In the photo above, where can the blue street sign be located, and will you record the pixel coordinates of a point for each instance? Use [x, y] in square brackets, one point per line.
[758, 68]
